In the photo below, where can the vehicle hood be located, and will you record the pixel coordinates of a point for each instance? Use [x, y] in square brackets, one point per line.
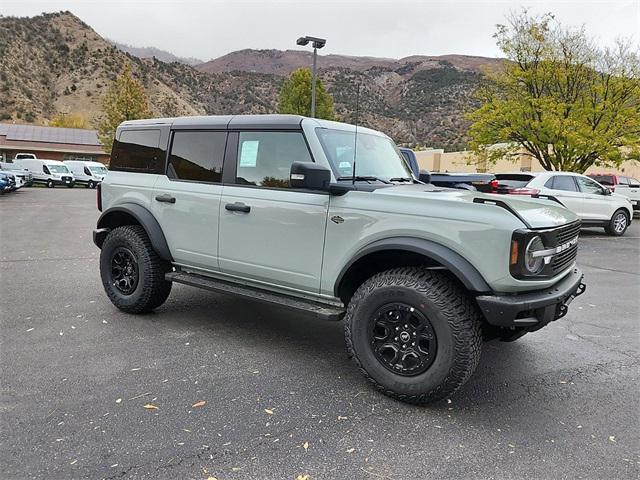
[536, 212]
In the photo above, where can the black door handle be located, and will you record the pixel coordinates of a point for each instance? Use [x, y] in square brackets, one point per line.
[237, 207]
[166, 198]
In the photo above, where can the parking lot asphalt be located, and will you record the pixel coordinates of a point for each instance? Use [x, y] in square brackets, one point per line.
[281, 398]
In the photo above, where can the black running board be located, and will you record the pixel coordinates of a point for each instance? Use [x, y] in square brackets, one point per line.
[320, 310]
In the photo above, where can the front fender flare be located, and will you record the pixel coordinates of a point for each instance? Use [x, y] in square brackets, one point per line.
[109, 220]
[453, 261]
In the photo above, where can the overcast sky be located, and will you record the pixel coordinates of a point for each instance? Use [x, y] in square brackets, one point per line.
[209, 29]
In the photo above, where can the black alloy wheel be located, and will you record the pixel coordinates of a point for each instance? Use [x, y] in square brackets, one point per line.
[124, 270]
[403, 339]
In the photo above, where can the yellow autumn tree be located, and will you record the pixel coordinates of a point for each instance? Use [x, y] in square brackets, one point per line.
[69, 120]
[126, 99]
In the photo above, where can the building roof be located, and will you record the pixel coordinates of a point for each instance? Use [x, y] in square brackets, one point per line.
[34, 133]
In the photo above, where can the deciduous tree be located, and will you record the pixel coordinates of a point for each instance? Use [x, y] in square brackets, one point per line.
[559, 98]
[69, 120]
[126, 99]
[295, 96]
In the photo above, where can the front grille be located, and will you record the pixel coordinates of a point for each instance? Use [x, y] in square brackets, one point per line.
[565, 258]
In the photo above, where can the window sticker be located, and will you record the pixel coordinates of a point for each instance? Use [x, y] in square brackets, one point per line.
[249, 153]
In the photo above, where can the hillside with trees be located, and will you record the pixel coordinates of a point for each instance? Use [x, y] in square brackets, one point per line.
[55, 64]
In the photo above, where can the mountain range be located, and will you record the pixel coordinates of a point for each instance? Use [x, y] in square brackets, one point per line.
[55, 63]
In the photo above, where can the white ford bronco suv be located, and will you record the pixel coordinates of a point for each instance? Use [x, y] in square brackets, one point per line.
[327, 218]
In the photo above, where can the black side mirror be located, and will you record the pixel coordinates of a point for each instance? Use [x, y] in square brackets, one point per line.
[310, 176]
[606, 191]
[425, 176]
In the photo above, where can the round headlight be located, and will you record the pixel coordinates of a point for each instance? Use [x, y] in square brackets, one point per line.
[533, 264]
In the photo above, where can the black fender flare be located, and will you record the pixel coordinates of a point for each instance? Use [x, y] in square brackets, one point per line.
[144, 217]
[451, 260]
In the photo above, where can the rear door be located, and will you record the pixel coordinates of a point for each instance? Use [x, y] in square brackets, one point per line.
[269, 232]
[565, 189]
[186, 201]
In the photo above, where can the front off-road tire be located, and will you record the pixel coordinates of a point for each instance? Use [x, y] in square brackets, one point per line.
[132, 272]
[434, 309]
[618, 224]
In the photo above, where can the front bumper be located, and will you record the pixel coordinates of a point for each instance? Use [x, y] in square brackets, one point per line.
[533, 309]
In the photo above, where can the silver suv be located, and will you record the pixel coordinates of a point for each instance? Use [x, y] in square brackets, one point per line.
[327, 218]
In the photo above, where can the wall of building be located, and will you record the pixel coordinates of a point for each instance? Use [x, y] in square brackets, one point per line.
[9, 154]
[437, 160]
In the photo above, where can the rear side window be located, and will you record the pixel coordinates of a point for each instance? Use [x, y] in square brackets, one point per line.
[138, 151]
[623, 180]
[197, 156]
[265, 158]
[562, 182]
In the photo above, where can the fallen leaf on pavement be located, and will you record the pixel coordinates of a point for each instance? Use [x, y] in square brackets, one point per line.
[201, 403]
[118, 400]
[351, 450]
[270, 412]
[612, 438]
[303, 477]
[305, 445]
[150, 406]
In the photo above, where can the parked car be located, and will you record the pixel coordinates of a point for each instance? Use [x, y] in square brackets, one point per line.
[623, 185]
[23, 156]
[593, 203]
[481, 182]
[25, 175]
[48, 172]
[269, 208]
[9, 182]
[86, 172]
[410, 157]
[4, 184]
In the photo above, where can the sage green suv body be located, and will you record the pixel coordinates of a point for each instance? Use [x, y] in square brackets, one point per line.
[268, 207]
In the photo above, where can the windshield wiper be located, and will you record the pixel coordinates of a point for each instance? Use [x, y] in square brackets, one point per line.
[363, 178]
[401, 179]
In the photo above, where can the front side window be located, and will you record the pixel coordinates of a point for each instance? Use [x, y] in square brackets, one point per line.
[587, 185]
[98, 170]
[138, 150]
[265, 158]
[623, 180]
[197, 156]
[46, 170]
[375, 155]
[564, 182]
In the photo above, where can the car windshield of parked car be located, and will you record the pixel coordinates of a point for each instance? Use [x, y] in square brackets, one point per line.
[57, 168]
[98, 170]
[514, 181]
[376, 156]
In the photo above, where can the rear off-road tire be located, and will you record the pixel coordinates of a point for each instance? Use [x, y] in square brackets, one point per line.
[435, 309]
[132, 273]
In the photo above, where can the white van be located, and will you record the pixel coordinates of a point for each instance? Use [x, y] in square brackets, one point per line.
[49, 172]
[87, 173]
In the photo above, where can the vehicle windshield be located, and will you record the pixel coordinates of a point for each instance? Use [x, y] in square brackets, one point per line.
[515, 181]
[98, 170]
[53, 168]
[376, 156]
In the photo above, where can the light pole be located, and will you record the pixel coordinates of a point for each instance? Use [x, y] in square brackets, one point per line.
[316, 43]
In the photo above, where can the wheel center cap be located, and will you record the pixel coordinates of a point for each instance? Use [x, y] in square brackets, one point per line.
[405, 337]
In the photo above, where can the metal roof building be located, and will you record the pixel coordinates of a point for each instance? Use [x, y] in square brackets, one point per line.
[50, 142]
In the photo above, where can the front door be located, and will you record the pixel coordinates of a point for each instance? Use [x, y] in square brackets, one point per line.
[186, 201]
[597, 204]
[565, 189]
[269, 232]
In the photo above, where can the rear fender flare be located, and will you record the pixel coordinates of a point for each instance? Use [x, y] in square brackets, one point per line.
[112, 218]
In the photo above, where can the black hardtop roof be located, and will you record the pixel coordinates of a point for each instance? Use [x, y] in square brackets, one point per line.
[231, 122]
